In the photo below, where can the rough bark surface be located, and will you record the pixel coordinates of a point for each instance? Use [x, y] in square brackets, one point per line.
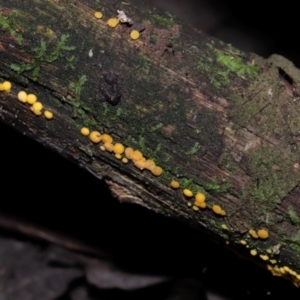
[219, 121]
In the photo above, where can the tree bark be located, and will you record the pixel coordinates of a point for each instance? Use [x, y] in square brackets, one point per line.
[217, 120]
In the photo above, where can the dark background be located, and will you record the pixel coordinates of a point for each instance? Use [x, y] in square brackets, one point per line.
[39, 196]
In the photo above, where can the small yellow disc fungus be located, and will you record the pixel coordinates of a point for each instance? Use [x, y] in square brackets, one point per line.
[223, 212]
[187, 193]
[37, 106]
[269, 251]
[273, 261]
[106, 138]
[128, 152]
[200, 197]
[216, 209]
[137, 155]
[85, 131]
[157, 171]
[224, 227]
[201, 205]
[263, 233]
[95, 137]
[134, 34]
[253, 252]
[113, 22]
[253, 233]
[243, 242]
[195, 208]
[1, 87]
[140, 163]
[36, 111]
[48, 114]
[109, 147]
[31, 98]
[149, 164]
[102, 148]
[22, 96]
[174, 184]
[124, 160]
[118, 148]
[189, 204]
[98, 15]
[264, 257]
[118, 156]
[6, 85]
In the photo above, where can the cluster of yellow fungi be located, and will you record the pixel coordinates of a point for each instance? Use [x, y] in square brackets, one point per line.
[125, 154]
[5, 86]
[36, 106]
[261, 233]
[218, 210]
[113, 22]
[31, 99]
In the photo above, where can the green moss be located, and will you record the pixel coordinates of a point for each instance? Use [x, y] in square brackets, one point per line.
[194, 149]
[166, 22]
[236, 65]
[8, 23]
[79, 108]
[293, 216]
[45, 52]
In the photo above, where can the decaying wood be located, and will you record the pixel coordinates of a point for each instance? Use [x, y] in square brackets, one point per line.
[219, 121]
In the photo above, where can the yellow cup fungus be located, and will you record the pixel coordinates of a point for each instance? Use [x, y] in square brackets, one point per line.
[263, 233]
[224, 226]
[264, 257]
[95, 137]
[128, 152]
[217, 209]
[31, 98]
[106, 138]
[195, 208]
[22, 96]
[200, 198]
[48, 114]
[102, 148]
[201, 205]
[149, 164]
[140, 163]
[85, 131]
[118, 156]
[157, 171]
[98, 14]
[243, 242]
[134, 34]
[6, 86]
[137, 155]
[109, 147]
[223, 213]
[112, 22]
[253, 252]
[118, 148]
[124, 160]
[187, 193]
[174, 184]
[37, 108]
[253, 233]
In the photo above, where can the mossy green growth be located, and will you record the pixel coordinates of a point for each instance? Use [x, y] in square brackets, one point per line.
[237, 65]
[166, 22]
[293, 216]
[270, 184]
[79, 108]
[45, 52]
[9, 24]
